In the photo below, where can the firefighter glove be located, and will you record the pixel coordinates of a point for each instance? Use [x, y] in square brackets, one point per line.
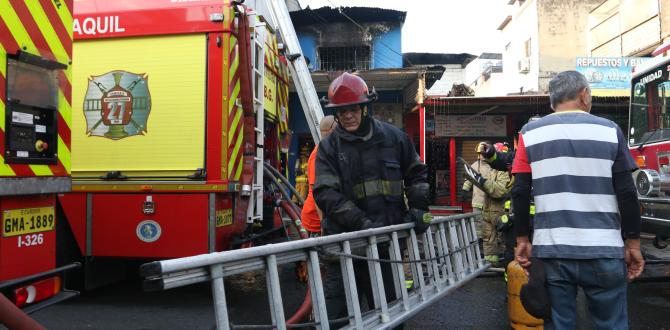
[473, 176]
[504, 223]
[486, 149]
[421, 219]
[367, 223]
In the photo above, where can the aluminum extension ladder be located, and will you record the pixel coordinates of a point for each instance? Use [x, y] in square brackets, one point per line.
[442, 259]
[258, 31]
[298, 66]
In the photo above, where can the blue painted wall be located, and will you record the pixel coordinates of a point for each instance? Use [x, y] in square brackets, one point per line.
[308, 45]
[386, 49]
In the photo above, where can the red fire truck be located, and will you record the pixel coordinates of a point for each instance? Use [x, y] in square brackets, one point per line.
[649, 143]
[35, 123]
[167, 141]
[173, 111]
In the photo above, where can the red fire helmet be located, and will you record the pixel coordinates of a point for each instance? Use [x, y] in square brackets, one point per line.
[501, 147]
[348, 89]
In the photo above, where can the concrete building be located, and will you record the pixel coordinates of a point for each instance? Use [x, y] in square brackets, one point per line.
[485, 75]
[453, 65]
[542, 38]
[628, 27]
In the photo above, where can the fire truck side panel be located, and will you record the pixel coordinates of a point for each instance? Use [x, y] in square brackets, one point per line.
[216, 136]
[139, 106]
[35, 51]
[28, 242]
[74, 209]
[123, 227]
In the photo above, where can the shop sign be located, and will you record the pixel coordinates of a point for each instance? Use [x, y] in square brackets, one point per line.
[470, 126]
[609, 76]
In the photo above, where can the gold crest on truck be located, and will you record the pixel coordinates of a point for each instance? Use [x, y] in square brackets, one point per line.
[117, 105]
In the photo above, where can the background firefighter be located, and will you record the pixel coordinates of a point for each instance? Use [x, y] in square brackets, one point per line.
[496, 186]
[311, 215]
[364, 171]
[478, 195]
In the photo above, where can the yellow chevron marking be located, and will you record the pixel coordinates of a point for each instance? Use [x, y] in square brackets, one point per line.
[5, 170]
[239, 170]
[13, 22]
[233, 96]
[64, 154]
[64, 108]
[2, 116]
[41, 170]
[233, 68]
[3, 63]
[65, 17]
[236, 150]
[233, 125]
[48, 31]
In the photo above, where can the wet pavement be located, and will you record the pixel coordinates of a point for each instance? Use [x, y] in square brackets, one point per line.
[480, 304]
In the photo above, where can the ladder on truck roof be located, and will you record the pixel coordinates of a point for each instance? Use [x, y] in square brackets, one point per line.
[298, 65]
[442, 259]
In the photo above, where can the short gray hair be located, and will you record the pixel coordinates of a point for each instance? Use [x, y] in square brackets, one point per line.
[566, 86]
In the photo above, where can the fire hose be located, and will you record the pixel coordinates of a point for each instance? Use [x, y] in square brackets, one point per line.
[283, 179]
[14, 318]
[293, 212]
[249, 121]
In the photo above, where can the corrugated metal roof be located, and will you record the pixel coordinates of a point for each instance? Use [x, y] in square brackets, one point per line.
[437, 58]
[326, 15]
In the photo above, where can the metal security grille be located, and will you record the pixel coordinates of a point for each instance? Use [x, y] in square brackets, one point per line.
[344, 58]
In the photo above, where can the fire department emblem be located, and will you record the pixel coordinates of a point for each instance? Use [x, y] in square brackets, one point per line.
[148, 231]
[117, 105]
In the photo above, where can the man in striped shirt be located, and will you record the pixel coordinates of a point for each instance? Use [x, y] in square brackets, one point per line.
[587, 220]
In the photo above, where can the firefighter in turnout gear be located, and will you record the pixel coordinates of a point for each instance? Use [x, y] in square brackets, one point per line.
[478, 195]
[496, 185]
[365, 170]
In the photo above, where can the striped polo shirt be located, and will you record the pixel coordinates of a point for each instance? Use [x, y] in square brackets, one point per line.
[572, 156]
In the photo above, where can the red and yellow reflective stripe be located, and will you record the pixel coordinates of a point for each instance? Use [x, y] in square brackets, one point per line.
[5, 170]
[40, 27]
[235, 123]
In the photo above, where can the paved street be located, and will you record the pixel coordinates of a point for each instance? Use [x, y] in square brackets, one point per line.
[480, 304]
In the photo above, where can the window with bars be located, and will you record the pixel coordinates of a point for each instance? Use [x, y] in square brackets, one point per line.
[344, 58]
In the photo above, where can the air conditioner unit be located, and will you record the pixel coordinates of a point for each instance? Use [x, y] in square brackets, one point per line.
[524, 65]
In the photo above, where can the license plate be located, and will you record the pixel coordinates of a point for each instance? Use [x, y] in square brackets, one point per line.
[27, 221]
[224, 217]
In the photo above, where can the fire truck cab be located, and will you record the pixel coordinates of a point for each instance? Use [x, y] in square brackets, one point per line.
[649, 143]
